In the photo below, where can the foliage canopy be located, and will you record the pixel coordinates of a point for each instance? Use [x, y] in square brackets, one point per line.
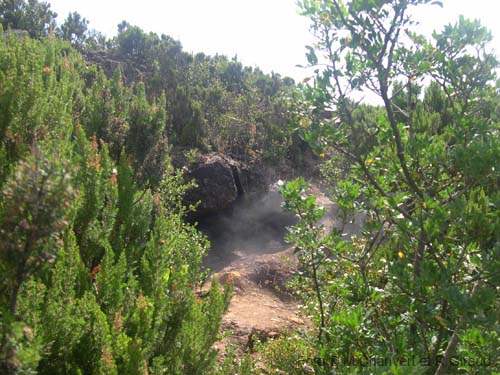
[420, 280]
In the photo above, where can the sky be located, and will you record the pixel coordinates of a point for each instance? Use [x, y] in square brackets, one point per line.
[269, 34]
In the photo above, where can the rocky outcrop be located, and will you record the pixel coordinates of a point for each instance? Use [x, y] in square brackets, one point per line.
[220, 179]
[218, 188]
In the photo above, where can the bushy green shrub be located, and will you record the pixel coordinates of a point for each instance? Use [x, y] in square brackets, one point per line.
[98, 267]
[289, 354]
[414, 288]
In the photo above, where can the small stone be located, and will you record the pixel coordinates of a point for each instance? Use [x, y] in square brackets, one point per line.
[296, 320]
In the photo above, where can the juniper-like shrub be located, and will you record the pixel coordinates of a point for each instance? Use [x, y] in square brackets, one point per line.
[98, 267]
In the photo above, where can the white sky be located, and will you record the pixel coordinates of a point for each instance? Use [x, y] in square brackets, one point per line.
[269, 34]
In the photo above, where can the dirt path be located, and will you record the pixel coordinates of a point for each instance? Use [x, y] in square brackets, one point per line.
[260, 306]
[249, 252]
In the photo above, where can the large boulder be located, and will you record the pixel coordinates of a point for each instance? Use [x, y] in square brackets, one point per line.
[220, 179]
[218, 183]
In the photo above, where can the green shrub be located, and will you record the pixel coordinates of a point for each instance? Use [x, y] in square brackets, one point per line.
[414, 288]
[98, 266]
[288, 354]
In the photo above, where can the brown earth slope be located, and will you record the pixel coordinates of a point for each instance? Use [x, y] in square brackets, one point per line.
[249, 252]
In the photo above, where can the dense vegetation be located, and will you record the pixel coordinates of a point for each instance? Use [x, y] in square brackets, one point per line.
[97, 271]
[212, 103]
[98, 266]
[417, 290]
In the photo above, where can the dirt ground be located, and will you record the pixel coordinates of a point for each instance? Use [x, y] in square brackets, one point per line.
[254, 258]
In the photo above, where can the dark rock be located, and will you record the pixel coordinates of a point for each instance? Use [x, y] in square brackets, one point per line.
[217, 187]
[221, 180]
[254, 178]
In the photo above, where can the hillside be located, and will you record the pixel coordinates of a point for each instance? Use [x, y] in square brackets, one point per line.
[163, 212]
[98, 147]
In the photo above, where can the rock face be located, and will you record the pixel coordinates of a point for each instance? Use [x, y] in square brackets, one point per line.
[218, 183]
[217, 188]
[220, 179]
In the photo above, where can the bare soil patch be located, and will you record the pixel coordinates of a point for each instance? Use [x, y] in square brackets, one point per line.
[249, 252]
